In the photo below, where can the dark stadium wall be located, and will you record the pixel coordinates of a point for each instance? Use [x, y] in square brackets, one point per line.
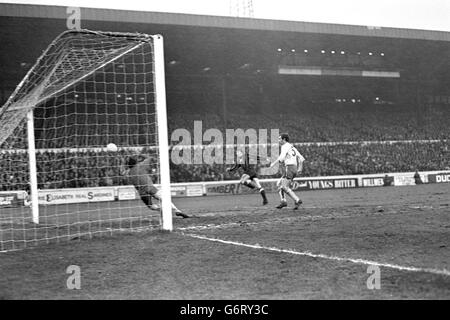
[200, 60]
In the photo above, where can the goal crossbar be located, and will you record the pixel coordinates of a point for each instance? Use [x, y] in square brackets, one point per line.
[25, 105]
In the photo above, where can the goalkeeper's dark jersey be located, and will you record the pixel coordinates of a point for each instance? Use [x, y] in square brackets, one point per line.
[246, 167]
[140, 174]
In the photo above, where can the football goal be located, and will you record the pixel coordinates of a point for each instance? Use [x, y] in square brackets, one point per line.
[59, 180]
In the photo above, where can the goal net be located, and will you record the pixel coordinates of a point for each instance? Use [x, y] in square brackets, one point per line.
[58, 180]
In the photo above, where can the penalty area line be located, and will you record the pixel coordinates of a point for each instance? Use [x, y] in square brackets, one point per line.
[443, 272]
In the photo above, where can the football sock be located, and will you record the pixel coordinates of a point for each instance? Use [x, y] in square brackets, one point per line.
[263, 193]
[292, 195]
[282, 196]
[158, 196]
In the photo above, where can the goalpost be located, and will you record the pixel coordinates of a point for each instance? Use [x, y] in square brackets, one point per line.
[58, 180]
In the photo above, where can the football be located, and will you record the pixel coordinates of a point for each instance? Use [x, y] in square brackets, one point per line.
[111, 147]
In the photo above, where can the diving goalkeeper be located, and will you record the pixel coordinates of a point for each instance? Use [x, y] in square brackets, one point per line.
[139, 174]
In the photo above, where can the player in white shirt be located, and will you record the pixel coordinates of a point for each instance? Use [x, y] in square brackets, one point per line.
[292, 164]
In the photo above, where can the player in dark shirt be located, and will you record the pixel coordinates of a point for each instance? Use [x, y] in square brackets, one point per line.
[249, 176]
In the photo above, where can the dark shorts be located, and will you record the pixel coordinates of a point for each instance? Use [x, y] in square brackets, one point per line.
[146, 190]
[143, 184]
[251, 171]
[247, 176]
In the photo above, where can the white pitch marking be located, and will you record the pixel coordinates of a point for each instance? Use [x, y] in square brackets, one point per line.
[323, 256]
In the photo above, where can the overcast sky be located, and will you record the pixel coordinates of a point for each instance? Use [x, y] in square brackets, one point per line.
[414, 14]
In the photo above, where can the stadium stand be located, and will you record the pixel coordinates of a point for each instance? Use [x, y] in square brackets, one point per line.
[98, 168]
[358, 139]
[337, 122]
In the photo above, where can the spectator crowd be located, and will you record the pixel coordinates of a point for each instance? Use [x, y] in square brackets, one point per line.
[337, 140]
[74, 169]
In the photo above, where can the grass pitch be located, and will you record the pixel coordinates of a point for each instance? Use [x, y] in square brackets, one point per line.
[235, 248]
